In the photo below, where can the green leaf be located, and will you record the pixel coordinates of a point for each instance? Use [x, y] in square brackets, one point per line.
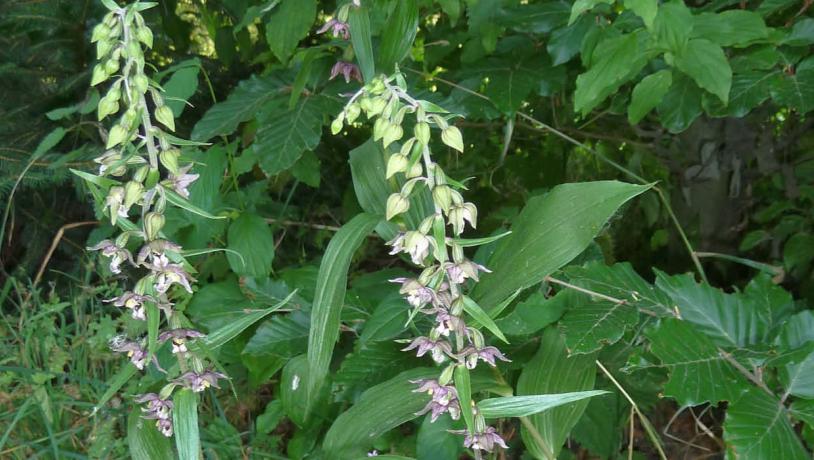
[535, 313]
[549, 232]
[181, 85]
[115, 383]
[452, 8]
[378, 410]
[434, 442]
[565, 43]
[48, 142]
[802, 33]
[757, 427]
[185, 424]
[330, 295]
[388, 320]
[706, 63]
[581, 6]
[232, 329]
[730, 28]
[590, 324]
[681, 105]
[616, 60]
[471, 242]
[749, 90]
[729, 320]
[522, 406]
[101, 181]
[482, 318]
[398, 35]
[359, 22]
[796, 90]
[282, 336]
[285, 135]
[698, 372]
[177, 200]
[288, 24]
[306, 169]
[242, 104]
[798, 377]
[645, 9]
[293, 391]
[648, 94]
[374, 363]
[250, 236]
[553, 371]
[672, 26]
[144, 440]
[463, 388]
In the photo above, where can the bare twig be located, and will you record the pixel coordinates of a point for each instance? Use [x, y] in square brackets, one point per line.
[55, 243]
[597, 294]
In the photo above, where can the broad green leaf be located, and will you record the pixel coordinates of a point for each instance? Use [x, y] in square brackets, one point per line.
[330, 295]
[219, 304]
[285, 135]
[177, 200]
[648, 94]
[470, 242]
[798, 330]
[798, 377]
[388, 320]
[565, 43]
[510, 82]
[282, 336]
[536, 18]
[288, 24]
[242, 104]
[550, 231]
[749, 90]
[616, 60]
[681, 105]
[553, 371]
[250, 236]
[699, 373]
[535, 313]
[729, 320]
[115, 383]
[757, 427]
[706, 63]
[181, 85]
[185, 424]
[482, 318]
[434, 441]
[255, 12]
[306, 169]
[293, 391]
[672, 26]
[581, 6]
[796, 90]
[463, 387]
[522, 406]
[231, 330]
[398, 35]
[620, 281]
[730, 28]
[645, 9]
[373, 363]
[590, 324]
[144, 440]
[452, 8]
[379, 409]
[602, 426]
[802, 33]
[359, 22]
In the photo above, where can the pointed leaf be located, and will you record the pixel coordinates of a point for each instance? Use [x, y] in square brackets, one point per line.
[522, 406]
[706, 63]
[359, 22]
[398, 35]
[185, 424]
[288, 24]
[757, 427]
[144, 440]
[648, 94]
[285, 135]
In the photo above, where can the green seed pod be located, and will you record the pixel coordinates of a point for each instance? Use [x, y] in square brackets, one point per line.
[164, 115]
[451, 136]
[415, 171]
[116, 136]
[153, 223]
[141, 174]
[103, 47]
[169, 159]
[111, 66]
[395, 164]
[442, 197]
[337, 124]
[379, 128]
[133, 191]
[141, 83]
[376, 106]
[115, 91]
[396, 204]
[100, 32]
[422, 132]
[106, 107]
[145, 35]
[352, 112]
[99, 75]
[391, 134]
[130, 117]
[134, 50]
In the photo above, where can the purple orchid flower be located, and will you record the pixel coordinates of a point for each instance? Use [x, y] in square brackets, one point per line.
[337, 28]
[179, 338]
[485, 440]
[439, 349]
[134, 302]
[347, 69]
[116, 253]
[199, 382]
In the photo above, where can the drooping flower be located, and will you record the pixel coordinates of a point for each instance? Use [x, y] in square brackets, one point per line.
[115, 203]
[485, 440]
[133, 302]
[338, 29]
[179, 338]
[460, 213]
[347, 69]
[439, 349]
[458, 273]
[156, 408]
[134, 350]
[414, 243]
[111, 161]
[444, 399]
[417, 294]
[155, 248]
[180, 182]
[199, 382]
[446, 322]
[167, 274]
[486, 354]
[116, 253]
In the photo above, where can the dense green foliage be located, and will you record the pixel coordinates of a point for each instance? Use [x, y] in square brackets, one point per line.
[652, 161]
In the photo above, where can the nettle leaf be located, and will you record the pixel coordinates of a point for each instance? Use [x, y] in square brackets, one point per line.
[619, 281]
[553, 371]
[284, 136]
[749, 90]
[550, 231]
[281, 336]
[729, 320]
[616, 60]
[801, 34]
[288, 24]
[181, 85]
[796, 90]
[523, 406]
[648, 94]
[672, 26]
[699, 373]
[242, 104]
[144, 440]
[706, 63]
[566, 42]
[250, 236]
[681, 105]
[378, 410]
[757, 427]
[730, 28]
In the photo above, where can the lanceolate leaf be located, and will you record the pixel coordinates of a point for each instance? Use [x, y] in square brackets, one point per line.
[329, 296]
[553, 371]
[232, 329]
[144, 439]
[185, 424]
[648, 93]
[463, 386]
[757, 427]
[359, 21]
[522, 406]
[550, 231]
[398, 35]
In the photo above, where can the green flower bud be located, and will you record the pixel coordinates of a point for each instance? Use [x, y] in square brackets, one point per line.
[157, 99]
[338, 124]
[114, 201]
[451, 136]
[110, 19]
[130, 117]
[396, 164]
[141, 174]
[377, 105]
[396, 204]
[379, 127]
[101, 31]
[352, 112]
[457, 307]
[366, 104]
[377, 86]
[141, 83]
[442, 197]
[169, 159]
[116, 136]
[133, 191]
[153, 223]
[99, 75]
[446, 375]
[103, 47]
[415, 171]
[152, 177]
[115, 91]
[134, 50]
[145, 35]
[111, 66]
[422, 132]
[391, 134]
[164, 115]
[106, 107]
